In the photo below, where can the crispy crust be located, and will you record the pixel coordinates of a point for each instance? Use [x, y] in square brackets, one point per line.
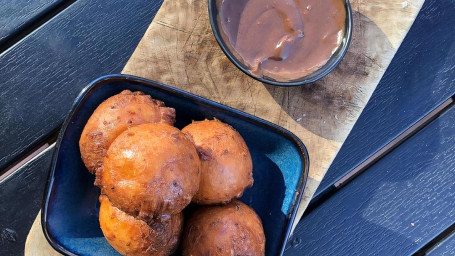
[130, 236]
[115, 115]
[226, 165]
[232, 229]
[150, 170]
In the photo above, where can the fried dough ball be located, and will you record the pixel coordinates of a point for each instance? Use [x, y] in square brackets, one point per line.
[130, 236]
[115, 115]
[226, 165]
[232, 229]
[150, 170]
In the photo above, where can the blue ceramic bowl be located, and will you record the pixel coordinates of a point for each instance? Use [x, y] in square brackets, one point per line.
[70, 207]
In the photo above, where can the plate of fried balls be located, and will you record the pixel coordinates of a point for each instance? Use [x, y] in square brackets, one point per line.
[141, 168]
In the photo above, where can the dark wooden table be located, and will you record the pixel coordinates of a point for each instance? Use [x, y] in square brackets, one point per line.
[390, 191]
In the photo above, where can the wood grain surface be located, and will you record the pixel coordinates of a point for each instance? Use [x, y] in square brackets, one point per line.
[21, 196]
[179, 49]
[419, 79]
[42, 74]
[396, 207]
[445, 248]
[15, 15]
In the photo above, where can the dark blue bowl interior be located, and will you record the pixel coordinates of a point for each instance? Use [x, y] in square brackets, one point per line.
[70, 219]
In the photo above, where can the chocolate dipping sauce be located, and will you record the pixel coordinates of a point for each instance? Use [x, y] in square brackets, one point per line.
[282, 39]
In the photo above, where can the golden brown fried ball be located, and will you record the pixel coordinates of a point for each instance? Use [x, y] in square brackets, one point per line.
[232, 229]
[226, 166]
[150, 170]
[115, 115]
[130, 236]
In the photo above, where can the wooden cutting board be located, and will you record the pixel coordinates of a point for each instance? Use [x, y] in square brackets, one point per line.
[179, 49]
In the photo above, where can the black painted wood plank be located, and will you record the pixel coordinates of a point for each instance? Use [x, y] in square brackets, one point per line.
[420, 77]
[444, 248]
[41, 75]
[16, 15]
[396, 207]
[21, 195]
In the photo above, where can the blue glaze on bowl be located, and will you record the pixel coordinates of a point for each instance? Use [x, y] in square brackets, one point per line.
[70, 207]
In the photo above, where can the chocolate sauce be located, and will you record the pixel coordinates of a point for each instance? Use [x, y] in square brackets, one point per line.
[282, 39]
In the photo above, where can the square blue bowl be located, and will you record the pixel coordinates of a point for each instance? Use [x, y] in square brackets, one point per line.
[70, 206]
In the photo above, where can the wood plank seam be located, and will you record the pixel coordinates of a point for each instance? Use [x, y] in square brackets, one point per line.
[381, 153]
[395, 143]
[435, 242]
[34, 24]
[30, 154]
[27, 159]
[399, 205]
